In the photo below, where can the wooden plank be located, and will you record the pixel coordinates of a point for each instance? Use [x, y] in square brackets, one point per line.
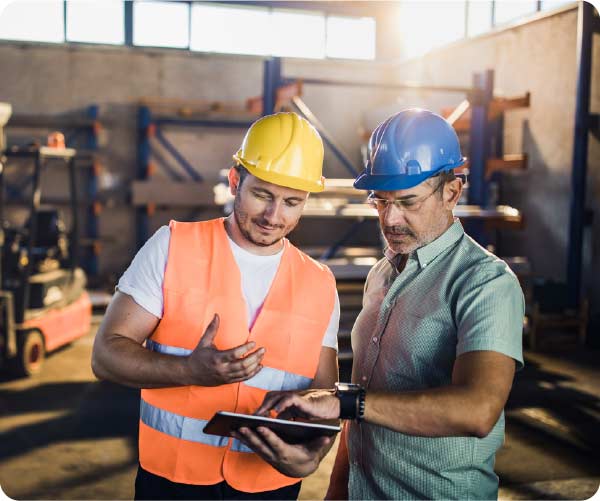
[501, 104]
[167, 193]
[460, 115]
[192, 107]
[462, 122]
[283, 96]
[458, 112]
[507, 162]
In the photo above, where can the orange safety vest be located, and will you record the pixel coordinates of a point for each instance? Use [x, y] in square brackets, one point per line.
[201, 279]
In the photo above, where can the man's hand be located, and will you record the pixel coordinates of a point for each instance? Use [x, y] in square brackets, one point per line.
[208, 366]
[298, 460]
[311, 404]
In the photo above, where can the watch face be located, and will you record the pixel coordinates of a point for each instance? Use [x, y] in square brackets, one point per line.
[347, 387]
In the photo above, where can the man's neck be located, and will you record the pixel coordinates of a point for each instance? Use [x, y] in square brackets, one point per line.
[233, 232]
[449, 221]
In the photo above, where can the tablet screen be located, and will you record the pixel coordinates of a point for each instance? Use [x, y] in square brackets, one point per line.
[292, 432]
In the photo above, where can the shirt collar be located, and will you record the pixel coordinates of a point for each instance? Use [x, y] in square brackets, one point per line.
[429, 252]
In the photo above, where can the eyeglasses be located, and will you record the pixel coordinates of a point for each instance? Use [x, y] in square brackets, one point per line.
[410, 204]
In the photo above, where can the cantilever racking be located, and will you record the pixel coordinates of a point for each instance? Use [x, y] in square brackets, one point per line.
[188, 190]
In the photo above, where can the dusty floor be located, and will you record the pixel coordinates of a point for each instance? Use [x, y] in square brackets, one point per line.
[64, 435]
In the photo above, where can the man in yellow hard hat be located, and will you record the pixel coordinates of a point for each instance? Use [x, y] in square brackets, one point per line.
[228, 310]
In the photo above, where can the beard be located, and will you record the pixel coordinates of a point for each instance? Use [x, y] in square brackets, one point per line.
[403, 240]
[400, 239]
[244, 223]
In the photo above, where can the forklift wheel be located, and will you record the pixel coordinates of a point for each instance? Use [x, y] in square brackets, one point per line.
[31, 353]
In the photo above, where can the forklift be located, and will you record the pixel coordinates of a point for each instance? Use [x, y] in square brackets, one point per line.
[43, 301]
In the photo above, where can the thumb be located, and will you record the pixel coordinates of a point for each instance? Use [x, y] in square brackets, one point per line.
[208, 337]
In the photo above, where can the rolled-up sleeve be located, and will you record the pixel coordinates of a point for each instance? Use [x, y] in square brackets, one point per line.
[489, 316]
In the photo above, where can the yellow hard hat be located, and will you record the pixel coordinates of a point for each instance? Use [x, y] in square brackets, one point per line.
[284, 149]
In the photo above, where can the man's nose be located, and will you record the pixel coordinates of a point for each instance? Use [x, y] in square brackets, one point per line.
[393, 216]
[271, 211]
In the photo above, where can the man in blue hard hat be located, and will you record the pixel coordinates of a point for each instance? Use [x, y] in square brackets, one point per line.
[437, 342]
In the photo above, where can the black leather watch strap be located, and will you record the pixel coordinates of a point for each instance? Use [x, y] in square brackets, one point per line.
[350, 396]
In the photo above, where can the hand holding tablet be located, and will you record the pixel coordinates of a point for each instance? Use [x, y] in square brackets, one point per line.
[292, 432]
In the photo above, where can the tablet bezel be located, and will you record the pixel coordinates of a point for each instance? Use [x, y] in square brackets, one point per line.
[293, 432]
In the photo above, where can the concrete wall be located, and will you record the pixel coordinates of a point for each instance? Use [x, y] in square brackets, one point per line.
[538, 57]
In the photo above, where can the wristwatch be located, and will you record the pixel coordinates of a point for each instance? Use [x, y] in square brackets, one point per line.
[352, 400]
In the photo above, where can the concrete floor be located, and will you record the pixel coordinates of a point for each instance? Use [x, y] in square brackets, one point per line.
[64, 435]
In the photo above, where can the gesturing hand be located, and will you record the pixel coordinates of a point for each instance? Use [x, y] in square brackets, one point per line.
[208, 366]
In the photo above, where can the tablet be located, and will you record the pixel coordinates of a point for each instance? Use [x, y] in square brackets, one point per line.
[292, 432]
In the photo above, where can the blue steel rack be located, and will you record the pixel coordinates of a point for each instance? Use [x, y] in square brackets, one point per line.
[151, 126]
[588, 23]
[484, 133]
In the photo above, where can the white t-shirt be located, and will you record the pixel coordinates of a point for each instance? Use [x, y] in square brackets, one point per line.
[143, 280]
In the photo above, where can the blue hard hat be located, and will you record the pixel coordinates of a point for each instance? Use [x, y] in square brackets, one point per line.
[408, 148]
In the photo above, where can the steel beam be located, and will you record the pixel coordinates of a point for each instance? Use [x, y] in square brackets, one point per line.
[181, 160]
[480, 138]
[585, 26]
[183, 122]
[271, 81]
[337, 150]
[378, 85]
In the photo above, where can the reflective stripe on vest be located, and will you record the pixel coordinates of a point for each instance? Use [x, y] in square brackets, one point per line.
[178, 426]
[238, 446]
[168, 350]
[274, 379]
[268, 379]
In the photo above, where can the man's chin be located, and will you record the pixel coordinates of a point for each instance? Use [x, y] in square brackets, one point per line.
[401, 247]
[265, 241]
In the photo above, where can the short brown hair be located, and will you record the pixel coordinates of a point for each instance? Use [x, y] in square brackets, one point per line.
[242, 172]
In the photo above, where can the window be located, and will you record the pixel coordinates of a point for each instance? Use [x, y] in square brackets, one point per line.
[232, 30]
[33, 20]
[350, 38]
[554, 4]
[297, 34]
[262, 31]
[91, 21]
[199, 26]
[161, 24]
[479, 17]
[509, 10]
[426, 25]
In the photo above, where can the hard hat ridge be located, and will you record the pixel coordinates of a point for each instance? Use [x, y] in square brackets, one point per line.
[284, 149]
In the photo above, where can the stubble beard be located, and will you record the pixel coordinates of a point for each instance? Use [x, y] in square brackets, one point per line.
[418, 241]
[241, 218]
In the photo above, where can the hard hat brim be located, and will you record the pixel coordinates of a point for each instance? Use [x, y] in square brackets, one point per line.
[283, 180]
[366, 181]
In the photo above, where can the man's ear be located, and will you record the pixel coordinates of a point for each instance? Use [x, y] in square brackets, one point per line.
[234, 180]
[452, 192]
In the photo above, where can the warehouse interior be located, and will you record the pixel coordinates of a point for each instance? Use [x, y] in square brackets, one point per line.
[120, 116]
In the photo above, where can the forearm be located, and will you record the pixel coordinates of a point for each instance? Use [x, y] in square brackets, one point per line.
[122, 360]
[338, 482]
[439, 412]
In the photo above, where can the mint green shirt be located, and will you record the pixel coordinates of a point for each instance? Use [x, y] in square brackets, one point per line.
[451, 298]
